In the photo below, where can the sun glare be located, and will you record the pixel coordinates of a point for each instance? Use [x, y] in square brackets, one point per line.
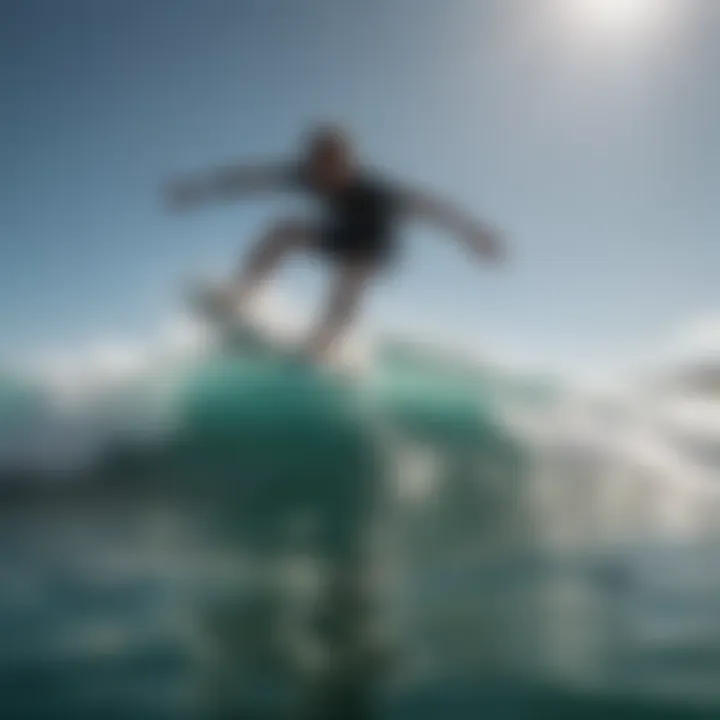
[615, 17]
[618, 13]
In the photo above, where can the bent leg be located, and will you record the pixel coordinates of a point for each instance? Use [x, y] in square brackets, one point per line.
[284, 238]
[348, 285]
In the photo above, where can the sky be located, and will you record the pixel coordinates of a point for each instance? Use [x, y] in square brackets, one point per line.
[589, 130]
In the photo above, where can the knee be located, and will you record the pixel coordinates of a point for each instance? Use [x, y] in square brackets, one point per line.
[281, 238]
[345, 304]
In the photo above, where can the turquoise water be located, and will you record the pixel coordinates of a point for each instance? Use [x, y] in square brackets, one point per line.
[151, 581]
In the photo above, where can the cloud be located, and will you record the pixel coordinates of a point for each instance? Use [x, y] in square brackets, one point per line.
[699, 340]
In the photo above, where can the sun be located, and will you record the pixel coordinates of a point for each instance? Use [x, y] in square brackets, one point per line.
[615, 17]
[618, 13]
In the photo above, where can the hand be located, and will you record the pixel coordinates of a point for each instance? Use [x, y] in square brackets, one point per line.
[183, 195]
[489, 245]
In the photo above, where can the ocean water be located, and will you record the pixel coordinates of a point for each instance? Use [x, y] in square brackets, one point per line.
[531, 552]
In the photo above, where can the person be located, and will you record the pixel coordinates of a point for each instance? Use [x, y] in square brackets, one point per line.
[356, 233]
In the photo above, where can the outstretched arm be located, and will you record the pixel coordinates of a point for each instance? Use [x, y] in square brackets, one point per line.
[478, 237]
[226, 183]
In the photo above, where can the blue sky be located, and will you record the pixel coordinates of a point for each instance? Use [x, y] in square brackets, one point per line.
[594, 141]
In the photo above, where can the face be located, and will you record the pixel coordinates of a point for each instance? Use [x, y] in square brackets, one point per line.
[329, 161]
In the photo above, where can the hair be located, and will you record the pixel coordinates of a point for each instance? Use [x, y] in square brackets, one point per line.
[325, 136]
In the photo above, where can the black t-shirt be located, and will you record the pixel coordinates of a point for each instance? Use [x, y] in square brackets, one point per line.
[360, 220]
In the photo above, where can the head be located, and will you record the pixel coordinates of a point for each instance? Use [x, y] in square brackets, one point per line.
[328, 157]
